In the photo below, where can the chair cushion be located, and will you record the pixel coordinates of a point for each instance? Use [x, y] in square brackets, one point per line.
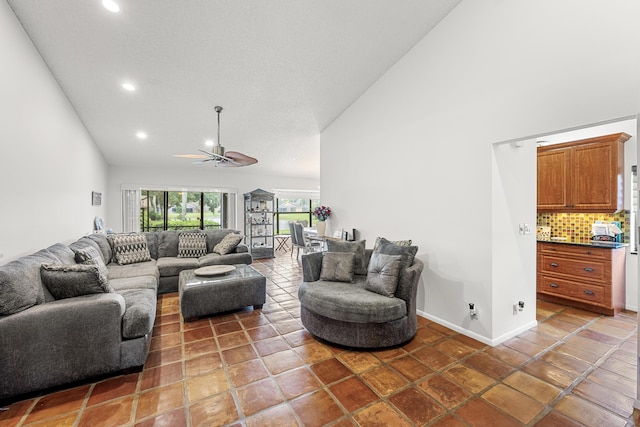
[350, 302]
[337, 266]
[383, 274]
[192, 244]
[356, 247]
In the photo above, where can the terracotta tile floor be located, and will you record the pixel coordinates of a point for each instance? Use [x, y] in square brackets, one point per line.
[261, 368]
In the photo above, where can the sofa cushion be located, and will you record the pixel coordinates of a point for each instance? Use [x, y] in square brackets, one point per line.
[337, 266]
[104, 245]
[383, 274]
[21, 286]
[172, 266]
[140, 312]
[228, 244]
[84, 242]
[146, 268]
[137, 282]
[167, 244]
[407, 253]
[356, 247]
[129, 248]
[152, 243]
[64, 254]
[192, 244]
[350, 302]
[73, 280]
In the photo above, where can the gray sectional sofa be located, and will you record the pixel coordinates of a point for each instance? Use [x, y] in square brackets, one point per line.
[47, 341]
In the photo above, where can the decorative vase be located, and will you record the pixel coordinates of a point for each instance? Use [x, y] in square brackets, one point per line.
[321, 227]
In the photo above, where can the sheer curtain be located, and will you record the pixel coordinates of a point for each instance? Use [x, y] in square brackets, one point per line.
[131, 211]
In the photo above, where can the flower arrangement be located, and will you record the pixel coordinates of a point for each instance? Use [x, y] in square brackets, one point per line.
[322, 213]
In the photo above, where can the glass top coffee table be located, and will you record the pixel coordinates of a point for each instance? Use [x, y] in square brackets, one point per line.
[215, 292]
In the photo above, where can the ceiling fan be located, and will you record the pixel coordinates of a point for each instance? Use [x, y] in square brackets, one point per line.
[218, 156]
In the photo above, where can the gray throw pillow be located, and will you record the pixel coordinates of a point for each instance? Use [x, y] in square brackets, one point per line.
[192, 244]
[408, 253]
[72, 280]
[383, 274]
[357, 248]
[129, 248]
[91, 256]
[228, 244]
[395, 242]
[337, 266]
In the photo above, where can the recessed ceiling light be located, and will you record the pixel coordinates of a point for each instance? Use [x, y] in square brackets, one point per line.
[141, 135]
[294, 158]
[111, 6]
[128, 86]
[209, 143]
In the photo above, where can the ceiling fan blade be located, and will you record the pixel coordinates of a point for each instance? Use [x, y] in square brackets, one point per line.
[192, 156]
[240, 159]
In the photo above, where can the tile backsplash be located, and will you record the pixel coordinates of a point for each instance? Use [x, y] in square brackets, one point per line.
[576, 227]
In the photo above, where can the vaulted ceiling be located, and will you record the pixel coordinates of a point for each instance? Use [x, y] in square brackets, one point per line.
[282, 69]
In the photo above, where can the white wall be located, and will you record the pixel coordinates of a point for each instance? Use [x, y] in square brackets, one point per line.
[198, 176]
[412, 158]
[49, 164]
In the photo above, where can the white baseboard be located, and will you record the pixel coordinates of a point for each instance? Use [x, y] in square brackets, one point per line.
[485, 340]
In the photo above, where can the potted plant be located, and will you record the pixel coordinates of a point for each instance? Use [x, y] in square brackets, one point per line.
[321, 213]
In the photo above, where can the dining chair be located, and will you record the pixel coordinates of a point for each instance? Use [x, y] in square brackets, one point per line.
[304, 243]
[294, 241]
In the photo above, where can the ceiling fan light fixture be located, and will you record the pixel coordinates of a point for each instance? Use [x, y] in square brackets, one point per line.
[218, 155]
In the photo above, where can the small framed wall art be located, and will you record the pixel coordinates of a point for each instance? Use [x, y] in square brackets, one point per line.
[96, 198]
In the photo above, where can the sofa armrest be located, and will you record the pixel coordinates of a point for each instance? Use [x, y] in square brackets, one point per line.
[408, 283]
[59, 342]
[241, 248]
[311, 266]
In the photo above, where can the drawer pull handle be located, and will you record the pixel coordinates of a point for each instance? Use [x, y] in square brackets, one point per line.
[589, 269]
[554, 264]
[553, 285]
[591, 293]
[588, 252]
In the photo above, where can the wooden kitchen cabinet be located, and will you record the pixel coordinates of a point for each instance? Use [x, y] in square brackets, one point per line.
[582, 276]
[582, 176]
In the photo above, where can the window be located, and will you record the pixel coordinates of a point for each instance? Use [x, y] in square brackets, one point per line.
[183, 210]
[294, 209]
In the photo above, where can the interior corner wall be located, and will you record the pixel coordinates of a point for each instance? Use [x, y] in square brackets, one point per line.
[49, 164]
[412, 158]
[243, 180]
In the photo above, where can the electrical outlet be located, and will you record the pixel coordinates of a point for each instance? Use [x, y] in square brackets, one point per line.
[515, 309]
[524, 228]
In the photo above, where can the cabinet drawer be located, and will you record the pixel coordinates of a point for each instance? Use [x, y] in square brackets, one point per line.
[569, 250]
[566, 288]
[583, 269]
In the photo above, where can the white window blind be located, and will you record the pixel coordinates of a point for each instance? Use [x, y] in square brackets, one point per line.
[131, 211]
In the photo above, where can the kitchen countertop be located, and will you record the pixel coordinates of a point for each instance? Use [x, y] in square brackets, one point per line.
[590, 243]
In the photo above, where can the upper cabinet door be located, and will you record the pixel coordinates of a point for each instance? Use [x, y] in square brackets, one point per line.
[554, 179]
[582, 176]
[597, 183]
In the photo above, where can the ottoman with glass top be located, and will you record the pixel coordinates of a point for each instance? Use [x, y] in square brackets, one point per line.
[213, 292]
